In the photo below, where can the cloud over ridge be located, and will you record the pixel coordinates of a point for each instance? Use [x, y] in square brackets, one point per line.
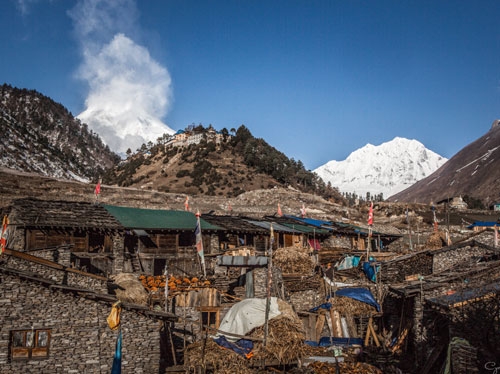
[129, 91]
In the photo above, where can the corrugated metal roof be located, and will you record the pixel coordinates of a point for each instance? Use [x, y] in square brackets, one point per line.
[307, 229]
[137, 218]
[311, 221]
[234, 224]
[276, 227]
[241, 260]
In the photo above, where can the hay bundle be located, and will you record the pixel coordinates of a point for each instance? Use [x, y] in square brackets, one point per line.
[348, 306]
[345, 367]
[285, 343]
[130, 289]
[208, 354]
[436, 241]
[293, 260]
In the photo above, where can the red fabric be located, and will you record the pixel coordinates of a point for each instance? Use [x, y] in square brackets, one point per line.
[314, 243]
[370, 214]
[98, 188]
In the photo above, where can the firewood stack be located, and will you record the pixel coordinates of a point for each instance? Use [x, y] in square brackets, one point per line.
[285, 344]
[292, 260]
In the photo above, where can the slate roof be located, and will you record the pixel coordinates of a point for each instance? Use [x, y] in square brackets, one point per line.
[466, 295]
[44, 214]
[234, 224]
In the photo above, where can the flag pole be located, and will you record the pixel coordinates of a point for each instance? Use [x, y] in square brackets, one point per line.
[199, 242]
[370, 224]
[269, 283]
[409, 228]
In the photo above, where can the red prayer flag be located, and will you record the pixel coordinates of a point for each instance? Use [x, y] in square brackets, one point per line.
[3, 236]
[370, 214]
[186, 203]
[97, 189]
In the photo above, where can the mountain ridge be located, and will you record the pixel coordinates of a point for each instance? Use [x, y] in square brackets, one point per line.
[42, 136]
[384, 169]
[471, 172]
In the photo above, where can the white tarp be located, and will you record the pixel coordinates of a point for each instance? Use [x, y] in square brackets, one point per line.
[247, 315]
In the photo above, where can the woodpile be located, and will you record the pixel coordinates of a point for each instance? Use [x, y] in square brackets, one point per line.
[293, 260]
[436, 241]
[344, 367]
[284, 345]
[154, 283]
[295, 283]
[349, 306]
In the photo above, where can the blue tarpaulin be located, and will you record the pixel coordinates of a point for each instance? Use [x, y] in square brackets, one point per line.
[370, 270]
[361, 294]
[243, 346]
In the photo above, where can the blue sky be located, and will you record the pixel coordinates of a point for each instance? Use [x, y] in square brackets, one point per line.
[315, 79]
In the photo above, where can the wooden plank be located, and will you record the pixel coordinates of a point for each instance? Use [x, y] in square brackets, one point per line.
[320, 323]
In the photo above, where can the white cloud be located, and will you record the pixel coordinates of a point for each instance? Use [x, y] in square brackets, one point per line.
[128, 90]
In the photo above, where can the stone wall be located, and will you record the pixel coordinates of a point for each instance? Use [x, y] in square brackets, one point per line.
[339, 241]
[60, 276]
[61, 255]
[447, 259]
[80, 340]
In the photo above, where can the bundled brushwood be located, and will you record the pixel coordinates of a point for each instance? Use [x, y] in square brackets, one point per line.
[348, 306]
[285, 341]
[436, 240]
[345, 367]
[285, 344]
[129, 289]
[294, 283]
[293, 260]
[207, 354]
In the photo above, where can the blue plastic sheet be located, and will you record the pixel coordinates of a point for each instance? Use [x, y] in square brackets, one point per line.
[370, 270]
[361, 294]
[243, 346]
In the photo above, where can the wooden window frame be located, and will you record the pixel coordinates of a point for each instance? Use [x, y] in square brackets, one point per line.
[29, 348]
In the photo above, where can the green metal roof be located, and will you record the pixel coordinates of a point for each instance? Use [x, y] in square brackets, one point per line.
[138, 218]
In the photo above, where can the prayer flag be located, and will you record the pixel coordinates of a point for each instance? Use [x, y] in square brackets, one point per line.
[199, 240]
[97, 189]
[370, 214]
[271, 234]
[186, 204]
[303, 211]
[279, 210]
[117, 360]
[3, 236]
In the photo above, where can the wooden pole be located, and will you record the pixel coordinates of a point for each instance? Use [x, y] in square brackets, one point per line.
[269, 284]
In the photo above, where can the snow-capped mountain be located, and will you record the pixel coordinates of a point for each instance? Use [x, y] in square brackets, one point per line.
[40, 136]
[124, 129]
[384, 169]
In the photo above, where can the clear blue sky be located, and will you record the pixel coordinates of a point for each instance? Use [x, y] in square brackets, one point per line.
[315, 79]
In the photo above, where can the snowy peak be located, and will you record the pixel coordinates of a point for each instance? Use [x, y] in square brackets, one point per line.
[125, 129]
[385, 169]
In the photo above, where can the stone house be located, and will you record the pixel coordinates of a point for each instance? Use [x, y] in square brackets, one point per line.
[417, 283]
[106, 239]
[54, 320]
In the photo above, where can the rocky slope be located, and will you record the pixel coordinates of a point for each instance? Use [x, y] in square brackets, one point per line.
[473, 171]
